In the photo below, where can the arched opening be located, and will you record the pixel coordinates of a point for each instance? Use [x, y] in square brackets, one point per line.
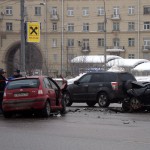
[33, 58]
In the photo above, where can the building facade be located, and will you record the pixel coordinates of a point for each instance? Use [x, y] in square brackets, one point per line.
[71, 28]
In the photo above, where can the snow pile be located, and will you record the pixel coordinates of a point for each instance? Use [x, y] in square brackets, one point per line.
[143, 78]
[116, 69]
[71, 81]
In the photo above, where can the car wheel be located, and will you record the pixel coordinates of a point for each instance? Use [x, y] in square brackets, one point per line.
[135, 104]
[103, 100]
[7, 114]
[47, 110]
[91, 104]
[63, 110]
[67, 99]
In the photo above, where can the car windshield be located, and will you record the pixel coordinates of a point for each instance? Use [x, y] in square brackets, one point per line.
[25, 83]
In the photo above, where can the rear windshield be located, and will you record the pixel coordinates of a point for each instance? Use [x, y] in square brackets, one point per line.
[25, 83]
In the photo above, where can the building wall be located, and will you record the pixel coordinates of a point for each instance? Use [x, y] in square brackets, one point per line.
[54, 54]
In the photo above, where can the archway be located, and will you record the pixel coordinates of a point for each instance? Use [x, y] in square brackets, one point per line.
[33, 58]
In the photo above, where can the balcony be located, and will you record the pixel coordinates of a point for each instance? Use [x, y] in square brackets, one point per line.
[146, 48]
[114, 49]
[54, 17]
[115, 17]
[85, 49]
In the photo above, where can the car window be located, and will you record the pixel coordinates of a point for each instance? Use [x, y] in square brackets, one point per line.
[24, 83]
[53, 85]
[109, 77]
[47, 84]
[97, 78]
[126, 76]
[85, 79]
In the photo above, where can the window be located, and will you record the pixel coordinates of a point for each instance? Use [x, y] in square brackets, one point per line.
[54, 11]
[9, 26]
[146, 10]
[54, 25]
[101, 42]
[70, 27]
[131, 42]
[116, 11]
[85, 45]
[115, 26]
[131, 10]
[70, 11]
[131, 56]
[54, 42]
[85, 79]
[38, 11]
[101, 11]
[101, 27]
[9, 10]
[85, 27]
[146, 25]
[147, 43]
[47, 83]
[116, 42]
[131, 26]
[70, 42]
[85, 11]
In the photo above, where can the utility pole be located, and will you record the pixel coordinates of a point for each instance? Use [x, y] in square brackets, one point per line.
[105, 20]
[22, 50]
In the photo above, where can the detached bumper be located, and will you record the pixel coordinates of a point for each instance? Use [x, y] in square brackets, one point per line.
[16, 105]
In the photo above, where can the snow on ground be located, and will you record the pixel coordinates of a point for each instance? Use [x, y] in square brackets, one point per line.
[143, 78]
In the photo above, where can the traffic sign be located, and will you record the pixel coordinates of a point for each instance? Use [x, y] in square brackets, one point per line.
[33, 32]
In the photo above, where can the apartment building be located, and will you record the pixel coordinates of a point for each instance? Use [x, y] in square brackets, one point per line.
[71, 28]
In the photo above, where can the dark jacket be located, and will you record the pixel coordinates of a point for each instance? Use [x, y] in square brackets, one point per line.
[17, 76]
[2, 88]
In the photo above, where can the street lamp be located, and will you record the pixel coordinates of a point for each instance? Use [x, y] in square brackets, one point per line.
[22, 49]
[105, 36]
[45, 35]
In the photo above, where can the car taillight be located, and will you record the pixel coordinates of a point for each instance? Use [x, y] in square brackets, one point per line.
[114, 85]
[40, 92]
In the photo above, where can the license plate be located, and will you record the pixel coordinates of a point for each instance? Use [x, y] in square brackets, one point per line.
[20, 94]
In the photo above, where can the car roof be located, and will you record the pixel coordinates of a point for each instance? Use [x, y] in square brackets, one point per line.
[108, 72]
[30, 77]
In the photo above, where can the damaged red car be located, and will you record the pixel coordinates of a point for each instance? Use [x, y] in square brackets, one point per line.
[38, 94]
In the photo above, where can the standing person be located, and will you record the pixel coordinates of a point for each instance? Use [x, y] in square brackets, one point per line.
[2, 85]
[17, 74]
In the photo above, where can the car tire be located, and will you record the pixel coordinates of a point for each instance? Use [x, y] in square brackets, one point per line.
[67, 99]
[63, 110]
[103, 100]
[91, 104]
[7, 114]
[47, 110]
[135, 104]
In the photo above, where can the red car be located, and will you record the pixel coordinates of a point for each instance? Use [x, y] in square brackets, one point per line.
[39, 94]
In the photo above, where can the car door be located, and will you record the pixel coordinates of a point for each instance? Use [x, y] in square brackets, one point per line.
[50, 92]
[80, 88]
[96, 82]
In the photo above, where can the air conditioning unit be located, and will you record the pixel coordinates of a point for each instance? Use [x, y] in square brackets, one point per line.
[2, 13]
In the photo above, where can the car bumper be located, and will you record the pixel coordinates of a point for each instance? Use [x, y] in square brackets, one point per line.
[25, 104]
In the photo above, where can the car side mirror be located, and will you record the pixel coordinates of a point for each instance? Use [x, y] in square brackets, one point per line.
[76, 82]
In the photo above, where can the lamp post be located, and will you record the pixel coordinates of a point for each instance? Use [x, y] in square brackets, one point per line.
[104, 36]
[22, 50]
[45, 35]
[62, 36]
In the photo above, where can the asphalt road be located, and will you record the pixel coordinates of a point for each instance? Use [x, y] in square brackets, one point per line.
[82, 128]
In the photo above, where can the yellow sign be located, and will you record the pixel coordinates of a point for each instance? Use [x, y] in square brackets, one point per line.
[33, 32]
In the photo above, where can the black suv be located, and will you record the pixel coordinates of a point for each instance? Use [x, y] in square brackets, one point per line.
[99, 87]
